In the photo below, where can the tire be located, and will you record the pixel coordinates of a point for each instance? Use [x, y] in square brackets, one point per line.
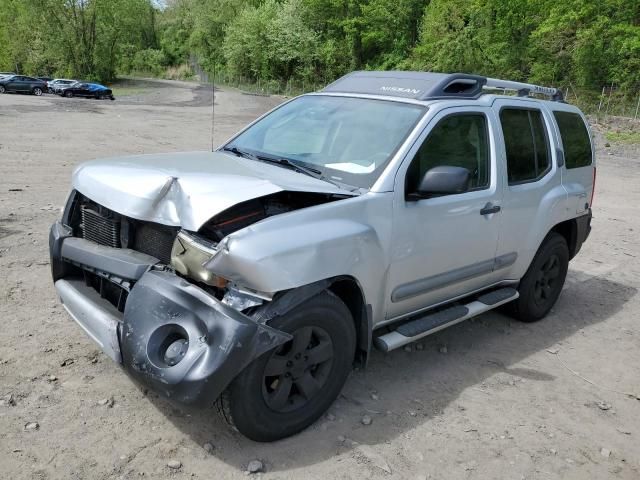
[68, 94]
[265, 407]
[2, 89]
[37, 91]
[541, 285]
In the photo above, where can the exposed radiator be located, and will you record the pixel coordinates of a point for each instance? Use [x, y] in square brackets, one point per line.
[100, 228]
[103, 226]
[155, 240]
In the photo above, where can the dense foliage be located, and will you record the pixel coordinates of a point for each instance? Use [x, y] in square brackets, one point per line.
[582, 43]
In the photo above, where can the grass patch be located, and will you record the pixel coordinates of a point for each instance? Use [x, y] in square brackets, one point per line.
[623, 137]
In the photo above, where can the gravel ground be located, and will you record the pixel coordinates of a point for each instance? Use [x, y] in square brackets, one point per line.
[489, 398]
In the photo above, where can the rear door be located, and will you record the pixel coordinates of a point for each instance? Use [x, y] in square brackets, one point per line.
[30, 83]
[533, 194]
[578, 174]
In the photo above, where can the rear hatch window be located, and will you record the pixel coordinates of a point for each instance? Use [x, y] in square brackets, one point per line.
[575, 139]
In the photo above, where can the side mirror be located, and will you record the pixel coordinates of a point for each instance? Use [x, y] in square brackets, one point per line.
[443, 180]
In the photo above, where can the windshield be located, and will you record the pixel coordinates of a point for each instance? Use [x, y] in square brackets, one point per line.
[349, 140]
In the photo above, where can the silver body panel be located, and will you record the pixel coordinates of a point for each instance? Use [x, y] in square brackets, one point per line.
[377, 238]
[98, 319]
[185, 189]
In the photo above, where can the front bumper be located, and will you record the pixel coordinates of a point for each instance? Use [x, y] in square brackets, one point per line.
[160, 308]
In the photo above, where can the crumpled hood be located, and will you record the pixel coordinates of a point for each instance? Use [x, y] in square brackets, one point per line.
[185, 189]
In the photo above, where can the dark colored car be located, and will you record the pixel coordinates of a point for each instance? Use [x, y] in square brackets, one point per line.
[91, 90]
[20, 83]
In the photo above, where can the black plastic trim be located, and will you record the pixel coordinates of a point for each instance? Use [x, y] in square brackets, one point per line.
[221, 340]
[432, 320]
[57, 234]
[122, 262]
[423, 285]
[583, 229]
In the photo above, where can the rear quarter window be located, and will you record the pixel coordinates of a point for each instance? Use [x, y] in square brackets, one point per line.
[575, 139]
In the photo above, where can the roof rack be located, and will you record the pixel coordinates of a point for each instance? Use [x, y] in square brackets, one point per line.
[524, 89]
[431, 86]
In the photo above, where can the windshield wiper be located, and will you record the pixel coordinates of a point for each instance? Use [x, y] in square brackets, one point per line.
[284, 162]
[240, 153]
[312, 172]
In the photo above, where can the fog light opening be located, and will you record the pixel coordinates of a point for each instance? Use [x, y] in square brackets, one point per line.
[175, 351]
[168, 346]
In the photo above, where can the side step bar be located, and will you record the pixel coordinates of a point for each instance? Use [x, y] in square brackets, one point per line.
[434, 322]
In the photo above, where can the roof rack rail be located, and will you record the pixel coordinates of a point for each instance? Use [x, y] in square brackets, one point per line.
[431, 86]
[524, 89]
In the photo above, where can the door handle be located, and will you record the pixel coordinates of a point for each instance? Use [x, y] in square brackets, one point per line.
[489, 208]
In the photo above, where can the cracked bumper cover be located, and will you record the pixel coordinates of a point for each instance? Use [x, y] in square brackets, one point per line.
[161, 306]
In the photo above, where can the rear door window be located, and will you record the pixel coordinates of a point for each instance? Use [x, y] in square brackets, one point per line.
[575, 139]
[526, 143]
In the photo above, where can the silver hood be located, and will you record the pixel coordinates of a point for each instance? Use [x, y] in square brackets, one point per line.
[185, 189]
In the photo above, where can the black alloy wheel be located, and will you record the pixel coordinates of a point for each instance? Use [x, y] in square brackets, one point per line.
[287, 389]
[542, 283]
[298, 370]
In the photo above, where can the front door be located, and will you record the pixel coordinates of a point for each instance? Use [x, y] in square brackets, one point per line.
[445, 246]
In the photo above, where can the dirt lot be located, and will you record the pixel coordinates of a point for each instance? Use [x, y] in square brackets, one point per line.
[489, 398]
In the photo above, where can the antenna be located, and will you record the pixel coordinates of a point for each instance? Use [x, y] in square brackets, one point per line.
[213, 105]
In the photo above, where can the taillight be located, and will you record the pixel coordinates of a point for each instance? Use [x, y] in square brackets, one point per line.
[593, 189]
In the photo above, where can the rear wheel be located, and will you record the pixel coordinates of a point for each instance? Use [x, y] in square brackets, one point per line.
[541, 285]
[287, 389]
[68, 94]
[37, 91]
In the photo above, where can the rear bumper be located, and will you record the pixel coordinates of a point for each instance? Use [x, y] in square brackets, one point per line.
[160, 309]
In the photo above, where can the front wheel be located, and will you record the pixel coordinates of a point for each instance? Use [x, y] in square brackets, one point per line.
[541, 285]
[68, 94]
[2, 89]
[287, 389]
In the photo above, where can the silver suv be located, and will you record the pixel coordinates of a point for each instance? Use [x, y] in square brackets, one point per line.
[382, 209]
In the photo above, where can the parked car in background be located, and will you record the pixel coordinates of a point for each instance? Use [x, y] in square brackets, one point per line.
[57, 84]
[6, 74]
[90, 90]
[20, 83]
[45, 79]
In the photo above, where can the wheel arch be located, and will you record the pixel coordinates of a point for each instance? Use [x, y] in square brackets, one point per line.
[569, 230]
[348, 289]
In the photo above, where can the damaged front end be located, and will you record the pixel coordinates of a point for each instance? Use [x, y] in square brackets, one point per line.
[143, 291]
[185, 339]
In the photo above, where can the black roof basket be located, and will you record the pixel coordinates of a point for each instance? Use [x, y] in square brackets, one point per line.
[430, 86]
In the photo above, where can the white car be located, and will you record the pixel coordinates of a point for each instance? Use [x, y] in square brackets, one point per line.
[382, 209]
[58, 84]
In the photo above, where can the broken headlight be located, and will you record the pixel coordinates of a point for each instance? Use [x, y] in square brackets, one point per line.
[190, 253]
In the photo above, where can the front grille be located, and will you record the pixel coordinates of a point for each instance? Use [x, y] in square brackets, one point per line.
[115, 294]
[105, 227]
[155, 240]
[100, 227]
